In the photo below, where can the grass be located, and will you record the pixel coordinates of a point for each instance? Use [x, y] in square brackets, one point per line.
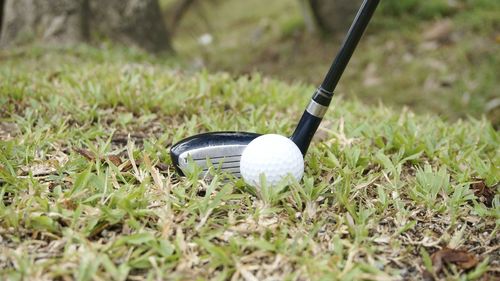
[89, 193]
[453, 74]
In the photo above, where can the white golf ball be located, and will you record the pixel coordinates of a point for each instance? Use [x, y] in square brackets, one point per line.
[273, 156]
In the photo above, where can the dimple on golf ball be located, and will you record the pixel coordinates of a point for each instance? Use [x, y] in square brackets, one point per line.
[273, 156]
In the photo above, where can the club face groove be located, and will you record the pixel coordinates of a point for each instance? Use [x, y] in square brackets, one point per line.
[225, 158]
[220, 150]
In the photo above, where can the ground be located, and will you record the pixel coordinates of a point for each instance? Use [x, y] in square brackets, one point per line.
[88, 190]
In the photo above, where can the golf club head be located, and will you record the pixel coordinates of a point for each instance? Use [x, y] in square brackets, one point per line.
[218, 149]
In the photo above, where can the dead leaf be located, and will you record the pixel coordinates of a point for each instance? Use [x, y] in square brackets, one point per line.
[54, 75]
[69, 204]
[125, 137]
[427, 276]
[370, 77]
[8, 130]
[85, 153]
[492, 104]
[126, 166]
[115, 159]
[463, 259]
[162, 167]
[439, 31]
[483, 193]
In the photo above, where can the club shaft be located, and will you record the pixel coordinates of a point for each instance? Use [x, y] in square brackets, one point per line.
[349, 45]
[310, 120]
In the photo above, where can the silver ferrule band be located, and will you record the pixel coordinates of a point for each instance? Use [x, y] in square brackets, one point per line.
[316, 109]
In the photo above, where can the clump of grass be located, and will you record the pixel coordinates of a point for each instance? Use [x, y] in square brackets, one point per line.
[88, 190]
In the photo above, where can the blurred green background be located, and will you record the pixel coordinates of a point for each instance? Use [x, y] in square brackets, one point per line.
[436, 56]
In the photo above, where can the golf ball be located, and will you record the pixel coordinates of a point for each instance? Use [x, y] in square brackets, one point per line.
[273, 156]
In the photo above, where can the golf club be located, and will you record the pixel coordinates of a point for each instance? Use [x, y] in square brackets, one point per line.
[223, 149]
